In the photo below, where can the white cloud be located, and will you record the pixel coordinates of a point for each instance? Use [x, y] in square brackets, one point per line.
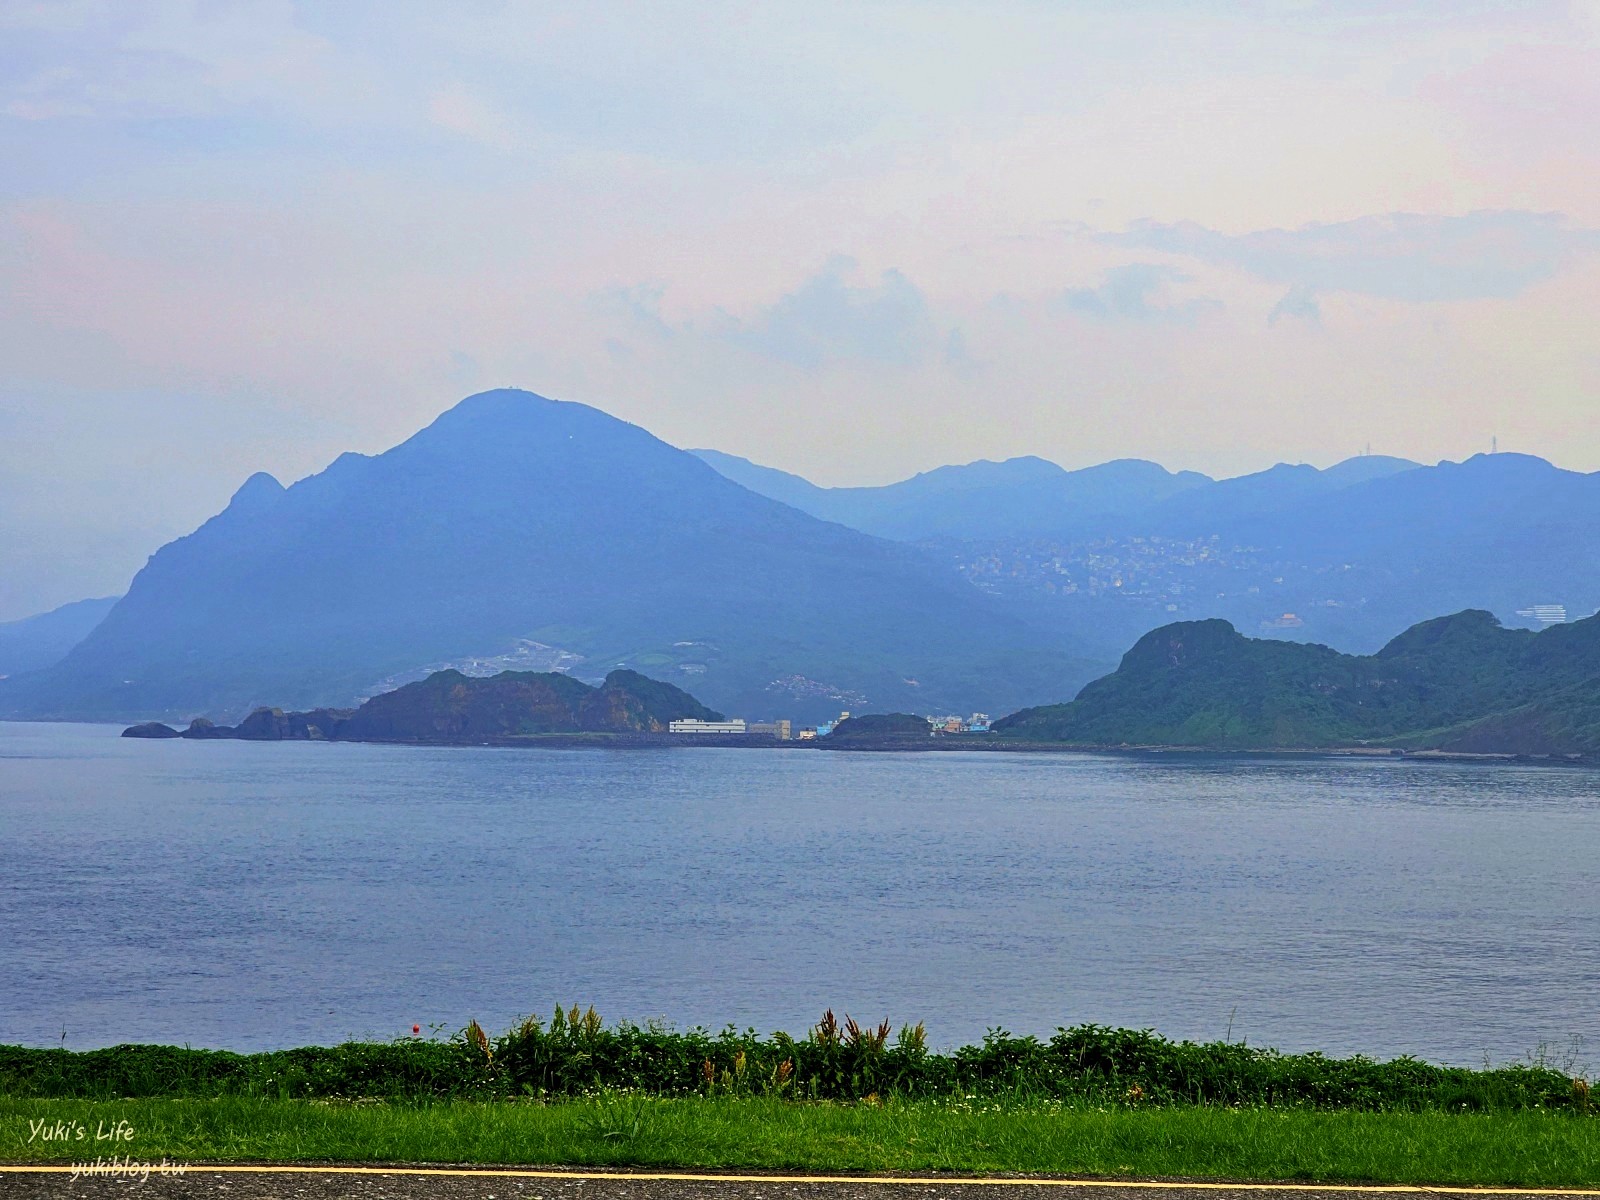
[827, 317]
[830, 317]
[1138, 292]
[1399, 256]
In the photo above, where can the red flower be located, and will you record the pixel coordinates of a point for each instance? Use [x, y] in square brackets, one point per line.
[416, 1029]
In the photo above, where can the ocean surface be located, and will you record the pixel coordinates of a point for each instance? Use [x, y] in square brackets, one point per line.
[247, 895]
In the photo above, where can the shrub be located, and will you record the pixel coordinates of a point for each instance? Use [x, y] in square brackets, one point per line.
[575, 1053]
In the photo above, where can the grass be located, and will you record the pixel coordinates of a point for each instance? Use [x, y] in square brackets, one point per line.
[1089, 1101]
[1529, 1148]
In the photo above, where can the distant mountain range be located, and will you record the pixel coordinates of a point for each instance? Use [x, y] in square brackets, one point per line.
[522, 533]
[515, 521]
[40, 641]
[1032, 497]
[1017, 497]
[1346, 556]
[1461, 683]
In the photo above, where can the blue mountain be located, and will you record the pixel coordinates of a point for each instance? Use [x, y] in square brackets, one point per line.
[1018, 497]
[1348, 555]
[1223, 504]
[517, 525]
[42, 640]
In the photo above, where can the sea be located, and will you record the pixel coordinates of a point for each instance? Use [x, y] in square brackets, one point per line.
[251, 895]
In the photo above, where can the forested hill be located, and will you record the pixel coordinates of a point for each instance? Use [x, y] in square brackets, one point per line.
[1460, 683]
[451, 707]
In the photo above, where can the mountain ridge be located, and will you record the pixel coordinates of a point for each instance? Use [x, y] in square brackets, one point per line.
[512, 516]
[1346, 556]
[44, 639]
[1022, 494]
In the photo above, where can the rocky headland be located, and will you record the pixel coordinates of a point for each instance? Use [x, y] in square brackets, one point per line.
[451, 707]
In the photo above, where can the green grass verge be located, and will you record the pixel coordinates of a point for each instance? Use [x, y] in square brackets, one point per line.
[1524, 1148]
[576, 1055]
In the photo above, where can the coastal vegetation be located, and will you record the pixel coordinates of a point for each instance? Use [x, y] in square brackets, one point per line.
[573, 1091]
[877, 727]
[1461, 684]
[575, 1054]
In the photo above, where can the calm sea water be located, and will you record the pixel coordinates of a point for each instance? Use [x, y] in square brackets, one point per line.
[247, 895]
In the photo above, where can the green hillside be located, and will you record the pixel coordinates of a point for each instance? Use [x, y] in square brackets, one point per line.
[1461, 683]
[451, 707]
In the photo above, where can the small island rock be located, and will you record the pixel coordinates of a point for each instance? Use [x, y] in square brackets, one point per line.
[151, 729]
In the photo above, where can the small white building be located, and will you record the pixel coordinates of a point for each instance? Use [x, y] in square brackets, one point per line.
[688, 725]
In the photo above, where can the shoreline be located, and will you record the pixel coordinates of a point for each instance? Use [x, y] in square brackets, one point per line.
[938, 744]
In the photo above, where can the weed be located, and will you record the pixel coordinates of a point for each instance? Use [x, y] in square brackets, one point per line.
[620, 1118]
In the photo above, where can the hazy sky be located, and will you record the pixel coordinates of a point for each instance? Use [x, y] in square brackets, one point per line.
[853, 241]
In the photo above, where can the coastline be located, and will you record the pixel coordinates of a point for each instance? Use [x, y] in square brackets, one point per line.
[945, 744]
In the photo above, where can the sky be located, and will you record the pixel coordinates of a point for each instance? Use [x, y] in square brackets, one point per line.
[854, 241]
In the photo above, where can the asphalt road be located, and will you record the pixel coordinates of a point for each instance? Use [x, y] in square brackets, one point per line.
[490, 1183]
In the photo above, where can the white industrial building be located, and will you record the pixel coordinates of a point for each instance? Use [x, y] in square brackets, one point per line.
[688, 725]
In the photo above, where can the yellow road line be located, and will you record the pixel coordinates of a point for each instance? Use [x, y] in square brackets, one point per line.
[902, 1180]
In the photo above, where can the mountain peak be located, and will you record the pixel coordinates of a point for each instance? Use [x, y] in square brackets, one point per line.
[501, 410]
[258, 493]
[1182, 644]
[498, 401]
[1367, 466]
[1468, 628]
[516, 521]
[1506, 460]
[509, 422]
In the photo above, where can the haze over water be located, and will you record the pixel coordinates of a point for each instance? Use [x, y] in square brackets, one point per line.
[246, 895]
